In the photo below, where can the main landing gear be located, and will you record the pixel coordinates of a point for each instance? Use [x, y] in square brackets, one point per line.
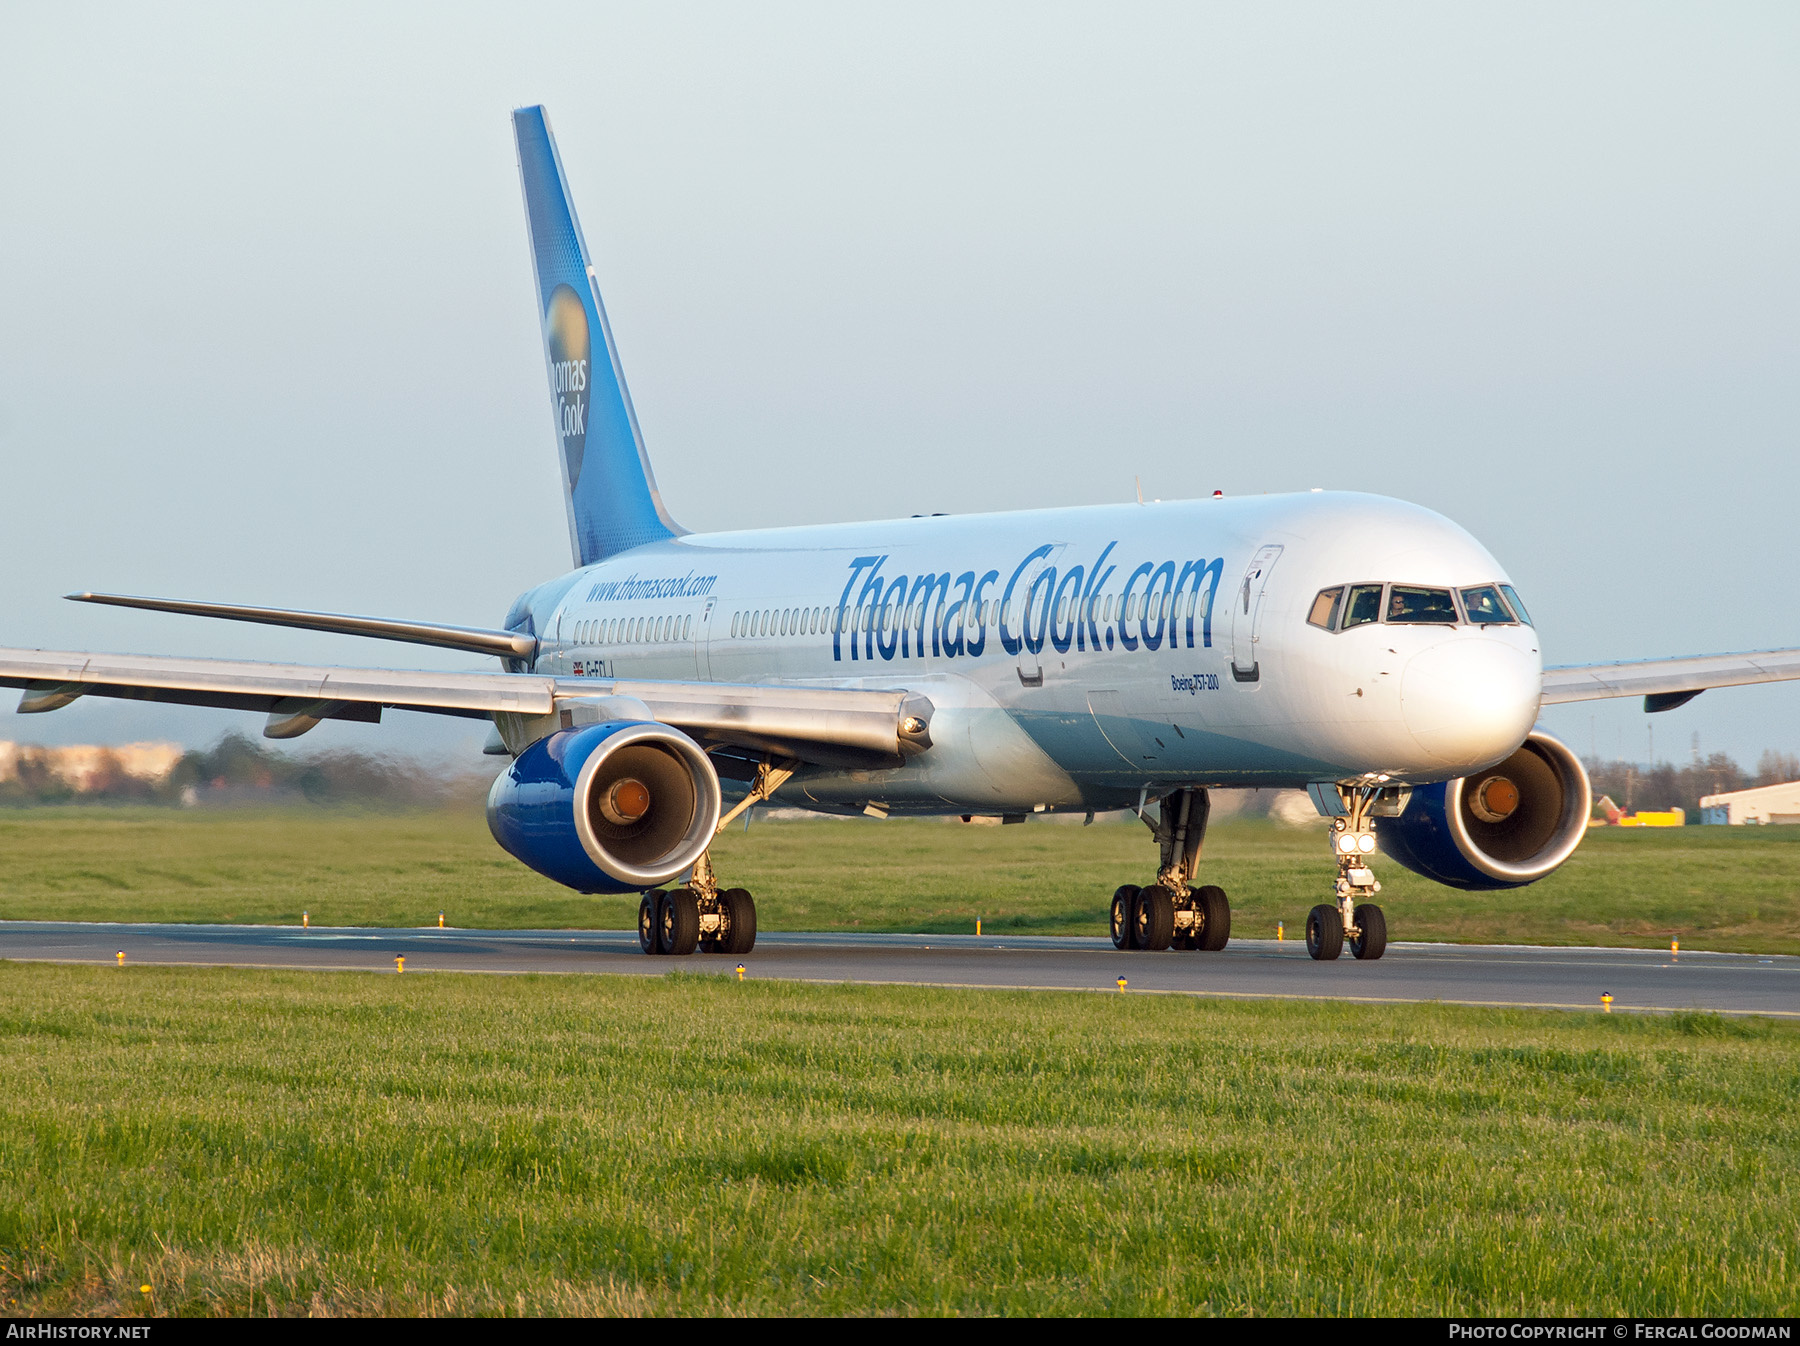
[701, 915]
[1170, 914]
[684, 919]
[1351, 919]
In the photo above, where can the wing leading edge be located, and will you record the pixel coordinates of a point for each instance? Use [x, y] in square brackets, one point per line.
[1667, 683]
[832, 725]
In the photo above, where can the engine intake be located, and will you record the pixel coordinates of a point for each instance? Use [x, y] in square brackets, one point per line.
[1501, 828]
[607, 808]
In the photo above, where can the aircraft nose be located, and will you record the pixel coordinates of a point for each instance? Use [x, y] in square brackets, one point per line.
[1470, 702]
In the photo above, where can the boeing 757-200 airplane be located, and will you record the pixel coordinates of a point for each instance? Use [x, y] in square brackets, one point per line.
[1065, 660]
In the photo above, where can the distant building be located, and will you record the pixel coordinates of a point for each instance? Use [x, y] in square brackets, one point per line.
[1766, 805]
[84, 766]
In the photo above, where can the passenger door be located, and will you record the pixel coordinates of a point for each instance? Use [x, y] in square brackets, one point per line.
[703, 641]
[1031, 665]
[1246, 614]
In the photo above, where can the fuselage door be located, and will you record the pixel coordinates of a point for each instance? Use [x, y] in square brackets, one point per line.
[1246, 614]
[1123, 730]
[1032, 612]
[703, 641]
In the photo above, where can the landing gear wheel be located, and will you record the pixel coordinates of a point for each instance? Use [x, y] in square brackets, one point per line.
[740, 921]
[1372, 942]
[679, 929]
[649, 921]
[1124, 917]
[1215, 918]
[1324, 932]
[1155, 924]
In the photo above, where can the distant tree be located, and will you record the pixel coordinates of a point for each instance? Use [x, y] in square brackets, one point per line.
[1664, 785]
[1777, 768]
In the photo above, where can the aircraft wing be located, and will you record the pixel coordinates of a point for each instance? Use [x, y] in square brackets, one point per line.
[835, 725]
[1667, 683]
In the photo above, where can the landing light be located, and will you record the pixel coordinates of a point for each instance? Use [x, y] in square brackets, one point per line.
[627, 801]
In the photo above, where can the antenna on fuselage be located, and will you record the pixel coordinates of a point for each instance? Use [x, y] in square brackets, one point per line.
[1140, 488]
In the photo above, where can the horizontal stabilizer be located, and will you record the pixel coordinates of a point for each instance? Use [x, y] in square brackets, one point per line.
[472, 639]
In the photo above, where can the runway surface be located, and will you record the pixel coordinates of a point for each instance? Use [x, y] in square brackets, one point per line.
[1561, 978]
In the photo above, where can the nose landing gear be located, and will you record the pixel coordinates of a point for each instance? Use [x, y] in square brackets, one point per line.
[1352, 919]
[1169, 913]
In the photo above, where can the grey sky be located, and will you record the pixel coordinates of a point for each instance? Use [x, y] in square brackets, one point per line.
[266, 331]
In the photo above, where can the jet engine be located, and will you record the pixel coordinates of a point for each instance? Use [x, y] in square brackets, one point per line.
[1501, 828]
[617, 807]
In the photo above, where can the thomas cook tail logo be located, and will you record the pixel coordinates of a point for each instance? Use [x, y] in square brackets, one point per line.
[566, 336]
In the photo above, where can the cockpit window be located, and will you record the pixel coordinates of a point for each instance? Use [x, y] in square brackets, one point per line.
[1364, 605]
[1325, 607]
[1512, 596]
[1408, 604]
[1485, 606]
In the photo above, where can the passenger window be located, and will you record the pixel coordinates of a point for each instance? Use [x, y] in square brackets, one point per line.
[1512, 596]
[1364, 605]
[1407, 604]
[1484, 605]
[1325, 607]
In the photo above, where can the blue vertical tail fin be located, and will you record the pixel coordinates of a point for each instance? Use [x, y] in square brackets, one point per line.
[612, 498]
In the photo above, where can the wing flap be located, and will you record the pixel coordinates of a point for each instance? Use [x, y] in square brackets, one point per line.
[1665, 678]
[814, 723]
[782, 718]
[245, 685]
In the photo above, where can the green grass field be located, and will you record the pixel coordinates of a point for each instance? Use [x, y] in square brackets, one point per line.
[1714, 888]
[253, 1141]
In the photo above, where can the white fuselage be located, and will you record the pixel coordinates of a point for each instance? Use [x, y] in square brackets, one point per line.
[1075, 657]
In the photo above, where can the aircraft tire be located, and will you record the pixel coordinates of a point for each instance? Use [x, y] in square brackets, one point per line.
[1372, 942]
[740, 921]
[649, 922]
[1215, 924]
[1155, 923]
[679, 929]
[1124, 917]
[1324, 932]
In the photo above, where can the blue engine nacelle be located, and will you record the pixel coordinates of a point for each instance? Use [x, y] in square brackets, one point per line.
[1502, 828]
[608, 808]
